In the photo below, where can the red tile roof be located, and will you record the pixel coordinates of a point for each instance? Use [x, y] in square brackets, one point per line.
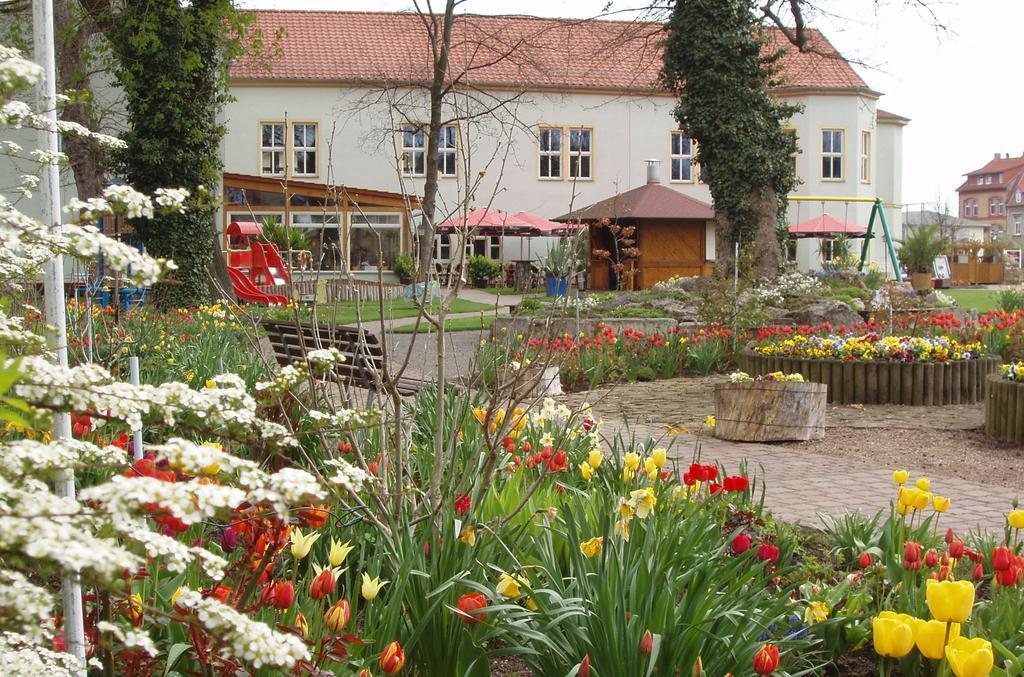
[650, 201]
[503, 51]
[1008, 167]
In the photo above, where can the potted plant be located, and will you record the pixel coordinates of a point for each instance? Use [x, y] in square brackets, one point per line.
[918, 252]
[482, 270]
[563, 260]
[403, 268]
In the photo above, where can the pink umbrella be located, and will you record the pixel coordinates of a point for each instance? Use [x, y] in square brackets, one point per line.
[547, 227]
[826, 225]
[486, 222]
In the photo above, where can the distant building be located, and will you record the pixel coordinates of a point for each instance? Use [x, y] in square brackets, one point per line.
[986, 192]
[951, 226]
[1014, 232]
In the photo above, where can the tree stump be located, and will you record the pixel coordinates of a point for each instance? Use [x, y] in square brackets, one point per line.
[770, 411]
[1004, 410]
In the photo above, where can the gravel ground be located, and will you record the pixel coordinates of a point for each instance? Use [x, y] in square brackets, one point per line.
[942, 440]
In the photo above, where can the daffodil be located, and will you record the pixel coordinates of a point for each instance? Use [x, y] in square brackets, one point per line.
[644, 500]
[301, 543]
[816, 612]
[509, 585]
[592, 547]
[338, 552]
[371, 587]
[586, 471]
[468, 535]
[709, 421]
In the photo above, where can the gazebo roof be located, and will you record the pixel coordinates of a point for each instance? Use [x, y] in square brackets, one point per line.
[650, 201]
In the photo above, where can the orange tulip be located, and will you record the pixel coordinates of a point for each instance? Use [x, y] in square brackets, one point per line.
[392, 658]
[336, 618]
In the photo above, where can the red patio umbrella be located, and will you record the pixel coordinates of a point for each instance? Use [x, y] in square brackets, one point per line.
[486, 222]
[546, 227]
[827, 225]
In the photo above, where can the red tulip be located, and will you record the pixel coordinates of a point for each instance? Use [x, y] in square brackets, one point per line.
[766, 660]
[336, 618]
[584, 669]
[392, 658]
[322, 585]
[279, 595]
[768, 553]
[1007, 577]
[931, 558]
[646, 643]
[1002, 556]
[740, 544]
[865, 560]
[956, 549]
[911, 555]
[462, 502]
[950, 536]
[979, 571]
[559, 462]
[471, 606]
[736, 483]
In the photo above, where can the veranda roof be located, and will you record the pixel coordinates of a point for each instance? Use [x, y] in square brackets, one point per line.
[650, 201]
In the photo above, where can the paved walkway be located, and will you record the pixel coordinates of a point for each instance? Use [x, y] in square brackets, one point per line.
[800, 486]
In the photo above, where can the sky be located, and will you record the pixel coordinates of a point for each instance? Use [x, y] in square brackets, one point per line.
[959, 86]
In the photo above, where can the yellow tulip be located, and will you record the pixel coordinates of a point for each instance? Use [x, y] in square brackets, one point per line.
[940, 503]
[480, 414]
[302, 543]
[592, 547]
[508, 585]
[924, 484]
[631, 461]
[659, 456]
[900, 477]
[371, 587]
[594, 458]
[922, 500]
[893, 634]
[970, 657]
[650, 469]
[950, 601]
[338, 552]
[930, 637]
[908, 495]
[1016, 519]
[586, 471]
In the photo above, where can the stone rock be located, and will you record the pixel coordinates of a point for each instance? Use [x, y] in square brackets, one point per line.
[683, 312]
[775, 315]
[827, 310]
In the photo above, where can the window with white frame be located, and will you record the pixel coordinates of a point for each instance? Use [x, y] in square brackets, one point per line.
[865, 157]
[992, 206]
[1017, 196]
[988, 179]
[980, 180]
[681, 158]
[414, 150]
[443, 251]
[1017, 219]
[1001, 205]
[974, 207]
[272, 148]
[304, 148]
[832, 143]
[447, 143]
[550, 139]
[580, 162]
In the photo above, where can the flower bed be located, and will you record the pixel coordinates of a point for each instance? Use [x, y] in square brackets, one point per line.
[769, 408]
[1004, 409]
[877, 381]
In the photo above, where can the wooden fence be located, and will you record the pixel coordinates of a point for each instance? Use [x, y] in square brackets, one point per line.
[338, 290]
[1004, 409]
[860, 382]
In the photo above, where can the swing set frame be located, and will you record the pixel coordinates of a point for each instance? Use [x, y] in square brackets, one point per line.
[877, 209]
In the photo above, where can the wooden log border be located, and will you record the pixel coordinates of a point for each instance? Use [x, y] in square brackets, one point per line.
[1004, 409]
[917, 384]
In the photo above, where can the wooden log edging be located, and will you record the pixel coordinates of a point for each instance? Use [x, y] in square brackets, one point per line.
[859, 382]
[1004, 409]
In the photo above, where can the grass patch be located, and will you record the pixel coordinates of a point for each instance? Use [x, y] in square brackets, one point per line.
[344, 312]
[982, 300]
[479, 323]
[510, 291]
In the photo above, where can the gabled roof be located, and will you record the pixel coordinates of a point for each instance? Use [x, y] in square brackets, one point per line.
[501, 51]
[1012, 188]
[650, 201]
[1007, 166]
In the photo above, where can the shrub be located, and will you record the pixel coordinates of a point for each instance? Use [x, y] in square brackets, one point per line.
[1011, 300]
[403, 267]
[482, 270]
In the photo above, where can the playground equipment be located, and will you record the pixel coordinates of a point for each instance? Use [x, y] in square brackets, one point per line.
[877, 209]
[261, 260]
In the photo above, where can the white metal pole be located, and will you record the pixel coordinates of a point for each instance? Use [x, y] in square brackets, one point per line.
[53, 286]
[133, 374]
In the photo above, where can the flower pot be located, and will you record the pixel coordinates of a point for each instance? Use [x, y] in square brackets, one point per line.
[921, 282]
[770, 411]
[557, 286]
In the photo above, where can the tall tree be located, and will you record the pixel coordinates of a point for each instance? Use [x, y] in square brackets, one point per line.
[714, 61]
[170, 60]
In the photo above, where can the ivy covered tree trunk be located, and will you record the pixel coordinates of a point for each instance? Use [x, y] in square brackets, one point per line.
[714, 62]
[170, 61]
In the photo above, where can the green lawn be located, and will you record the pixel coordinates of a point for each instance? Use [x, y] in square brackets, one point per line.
[981, 300]
[344, 312]
[509, 291]
[482, 322]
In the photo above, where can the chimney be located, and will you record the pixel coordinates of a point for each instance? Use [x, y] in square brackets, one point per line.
[653, 175]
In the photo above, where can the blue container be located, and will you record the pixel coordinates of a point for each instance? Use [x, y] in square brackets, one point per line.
[557, 286]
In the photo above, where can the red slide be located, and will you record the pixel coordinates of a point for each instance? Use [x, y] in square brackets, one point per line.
[245, 290]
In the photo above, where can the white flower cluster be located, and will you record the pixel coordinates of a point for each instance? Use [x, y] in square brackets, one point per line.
[26, 604]
[551, 412]
[87, 242]
[105, 140]
[171, 199]
[789, 286]
[120, 199]
[130, 637]
[175, 555]
[20, 656]
[246, 639]
[343, 417]
[285, 380]
[17, 72]
[31, 457]
[325, 358]
[346, 475]
[13, 334]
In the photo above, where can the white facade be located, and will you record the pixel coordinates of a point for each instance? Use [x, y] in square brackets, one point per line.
[358, 145]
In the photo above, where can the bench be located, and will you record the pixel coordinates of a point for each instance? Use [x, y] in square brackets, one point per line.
[364, 354]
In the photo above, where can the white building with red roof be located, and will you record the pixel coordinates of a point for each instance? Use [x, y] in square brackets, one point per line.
[566, 112]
